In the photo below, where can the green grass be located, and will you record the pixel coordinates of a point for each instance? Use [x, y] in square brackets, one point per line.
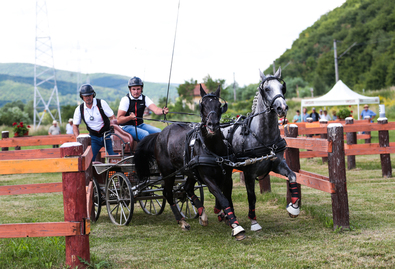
[157, 242]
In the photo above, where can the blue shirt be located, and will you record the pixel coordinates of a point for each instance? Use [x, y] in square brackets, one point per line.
[297, 118]
[369, 113]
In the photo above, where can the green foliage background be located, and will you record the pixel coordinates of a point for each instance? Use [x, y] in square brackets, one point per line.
[369, 64]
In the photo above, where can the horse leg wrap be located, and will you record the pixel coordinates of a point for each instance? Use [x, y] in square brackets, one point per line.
[196, 202]
[220, 214]
[251, 214]
[293, 187]
[231, 217]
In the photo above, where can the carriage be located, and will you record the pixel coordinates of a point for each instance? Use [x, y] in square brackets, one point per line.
[116, 186]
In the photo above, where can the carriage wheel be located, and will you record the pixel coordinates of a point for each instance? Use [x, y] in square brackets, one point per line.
[97, 198]
[154, 205]
[119, 199]
[183, 202]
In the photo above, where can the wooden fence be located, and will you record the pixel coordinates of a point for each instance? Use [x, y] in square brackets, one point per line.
[73, 162]
[333, 148]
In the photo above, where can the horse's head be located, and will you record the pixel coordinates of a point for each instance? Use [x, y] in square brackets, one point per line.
[211, 110]
[272, 90]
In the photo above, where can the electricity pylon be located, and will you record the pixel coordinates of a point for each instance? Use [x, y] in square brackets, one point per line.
[44, 70]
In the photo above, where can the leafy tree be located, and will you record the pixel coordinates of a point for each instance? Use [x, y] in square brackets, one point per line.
[212, 85]
[67, 112]
[9, 115]
[185, 90]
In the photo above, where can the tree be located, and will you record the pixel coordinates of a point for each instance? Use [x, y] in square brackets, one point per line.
[9, 115]
[185, 90]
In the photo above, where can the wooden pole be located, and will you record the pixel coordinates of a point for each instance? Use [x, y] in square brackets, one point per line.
[351, 140]
[85, 140]
[367, 141]
[5, 134]
[74, 202]
[324, 123]
[264, 184]
[337, 175]
[292, 157]
[384, 141]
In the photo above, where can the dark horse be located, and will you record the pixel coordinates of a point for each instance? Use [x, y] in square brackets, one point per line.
[259, 135]
[196, 152]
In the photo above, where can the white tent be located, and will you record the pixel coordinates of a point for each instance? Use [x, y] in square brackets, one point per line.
[340, 95]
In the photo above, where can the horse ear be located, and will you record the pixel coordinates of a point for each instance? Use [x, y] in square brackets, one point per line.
[218, 91]
[278, 73]
[202, 92]
[261, 75]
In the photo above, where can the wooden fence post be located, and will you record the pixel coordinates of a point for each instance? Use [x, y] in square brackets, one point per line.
[292, 156]
[324, 123]
[264, 184]
[384, 141]
[367, 118]
[74, 202]
[85, 140]
[337, 175]
[5, 134]
[351, 139]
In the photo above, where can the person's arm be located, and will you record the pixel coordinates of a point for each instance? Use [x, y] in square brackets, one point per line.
[121, 118]
[76, 130]
[157, 110]
[112, 117]
[49, 131]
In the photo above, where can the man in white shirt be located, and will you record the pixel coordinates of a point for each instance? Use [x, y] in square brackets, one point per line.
[131, 111]
[69, 127]
[95, 113]
[326, 116]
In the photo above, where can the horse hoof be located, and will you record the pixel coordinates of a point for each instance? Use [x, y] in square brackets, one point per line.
[184, 225]
[293, 209]
[221, 217]
[203, 222]
[240, 236]
[238, 232]
[256, 227]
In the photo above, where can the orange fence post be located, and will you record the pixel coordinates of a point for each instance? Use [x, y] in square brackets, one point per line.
[384, 141]
[337, 175]
[74, 201]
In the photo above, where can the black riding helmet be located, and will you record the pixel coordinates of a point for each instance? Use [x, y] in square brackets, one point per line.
[135, 81]
[87, 90]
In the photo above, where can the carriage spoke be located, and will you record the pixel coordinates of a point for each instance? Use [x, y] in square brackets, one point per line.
[120, 200]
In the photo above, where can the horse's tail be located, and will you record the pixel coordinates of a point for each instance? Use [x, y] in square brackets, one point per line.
[144, 156]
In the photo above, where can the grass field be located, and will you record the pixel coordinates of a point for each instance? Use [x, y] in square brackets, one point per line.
[157, 242]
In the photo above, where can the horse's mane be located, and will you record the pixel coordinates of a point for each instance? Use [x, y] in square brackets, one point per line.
[255, 102]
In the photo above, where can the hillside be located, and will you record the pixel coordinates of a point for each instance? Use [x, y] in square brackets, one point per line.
[17, 83]
[364, 29]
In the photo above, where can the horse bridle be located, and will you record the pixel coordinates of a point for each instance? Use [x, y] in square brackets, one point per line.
[262, 90]
[224, 107]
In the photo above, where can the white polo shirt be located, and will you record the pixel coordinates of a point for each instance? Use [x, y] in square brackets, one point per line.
[97, 123]
[124, 104]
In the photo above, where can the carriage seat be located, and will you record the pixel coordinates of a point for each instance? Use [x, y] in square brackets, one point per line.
[117, 143]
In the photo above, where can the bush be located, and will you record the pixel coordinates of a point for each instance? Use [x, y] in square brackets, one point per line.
[343, 113]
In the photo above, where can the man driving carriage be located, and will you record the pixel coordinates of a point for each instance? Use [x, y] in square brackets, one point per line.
[131, 111]
[95, 113]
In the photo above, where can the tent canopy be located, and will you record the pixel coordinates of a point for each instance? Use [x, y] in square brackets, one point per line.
[340, 95]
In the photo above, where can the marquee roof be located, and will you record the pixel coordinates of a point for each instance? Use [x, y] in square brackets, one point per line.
[340, 95]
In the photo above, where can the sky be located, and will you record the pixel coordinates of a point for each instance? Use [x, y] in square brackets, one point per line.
[229, 40]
